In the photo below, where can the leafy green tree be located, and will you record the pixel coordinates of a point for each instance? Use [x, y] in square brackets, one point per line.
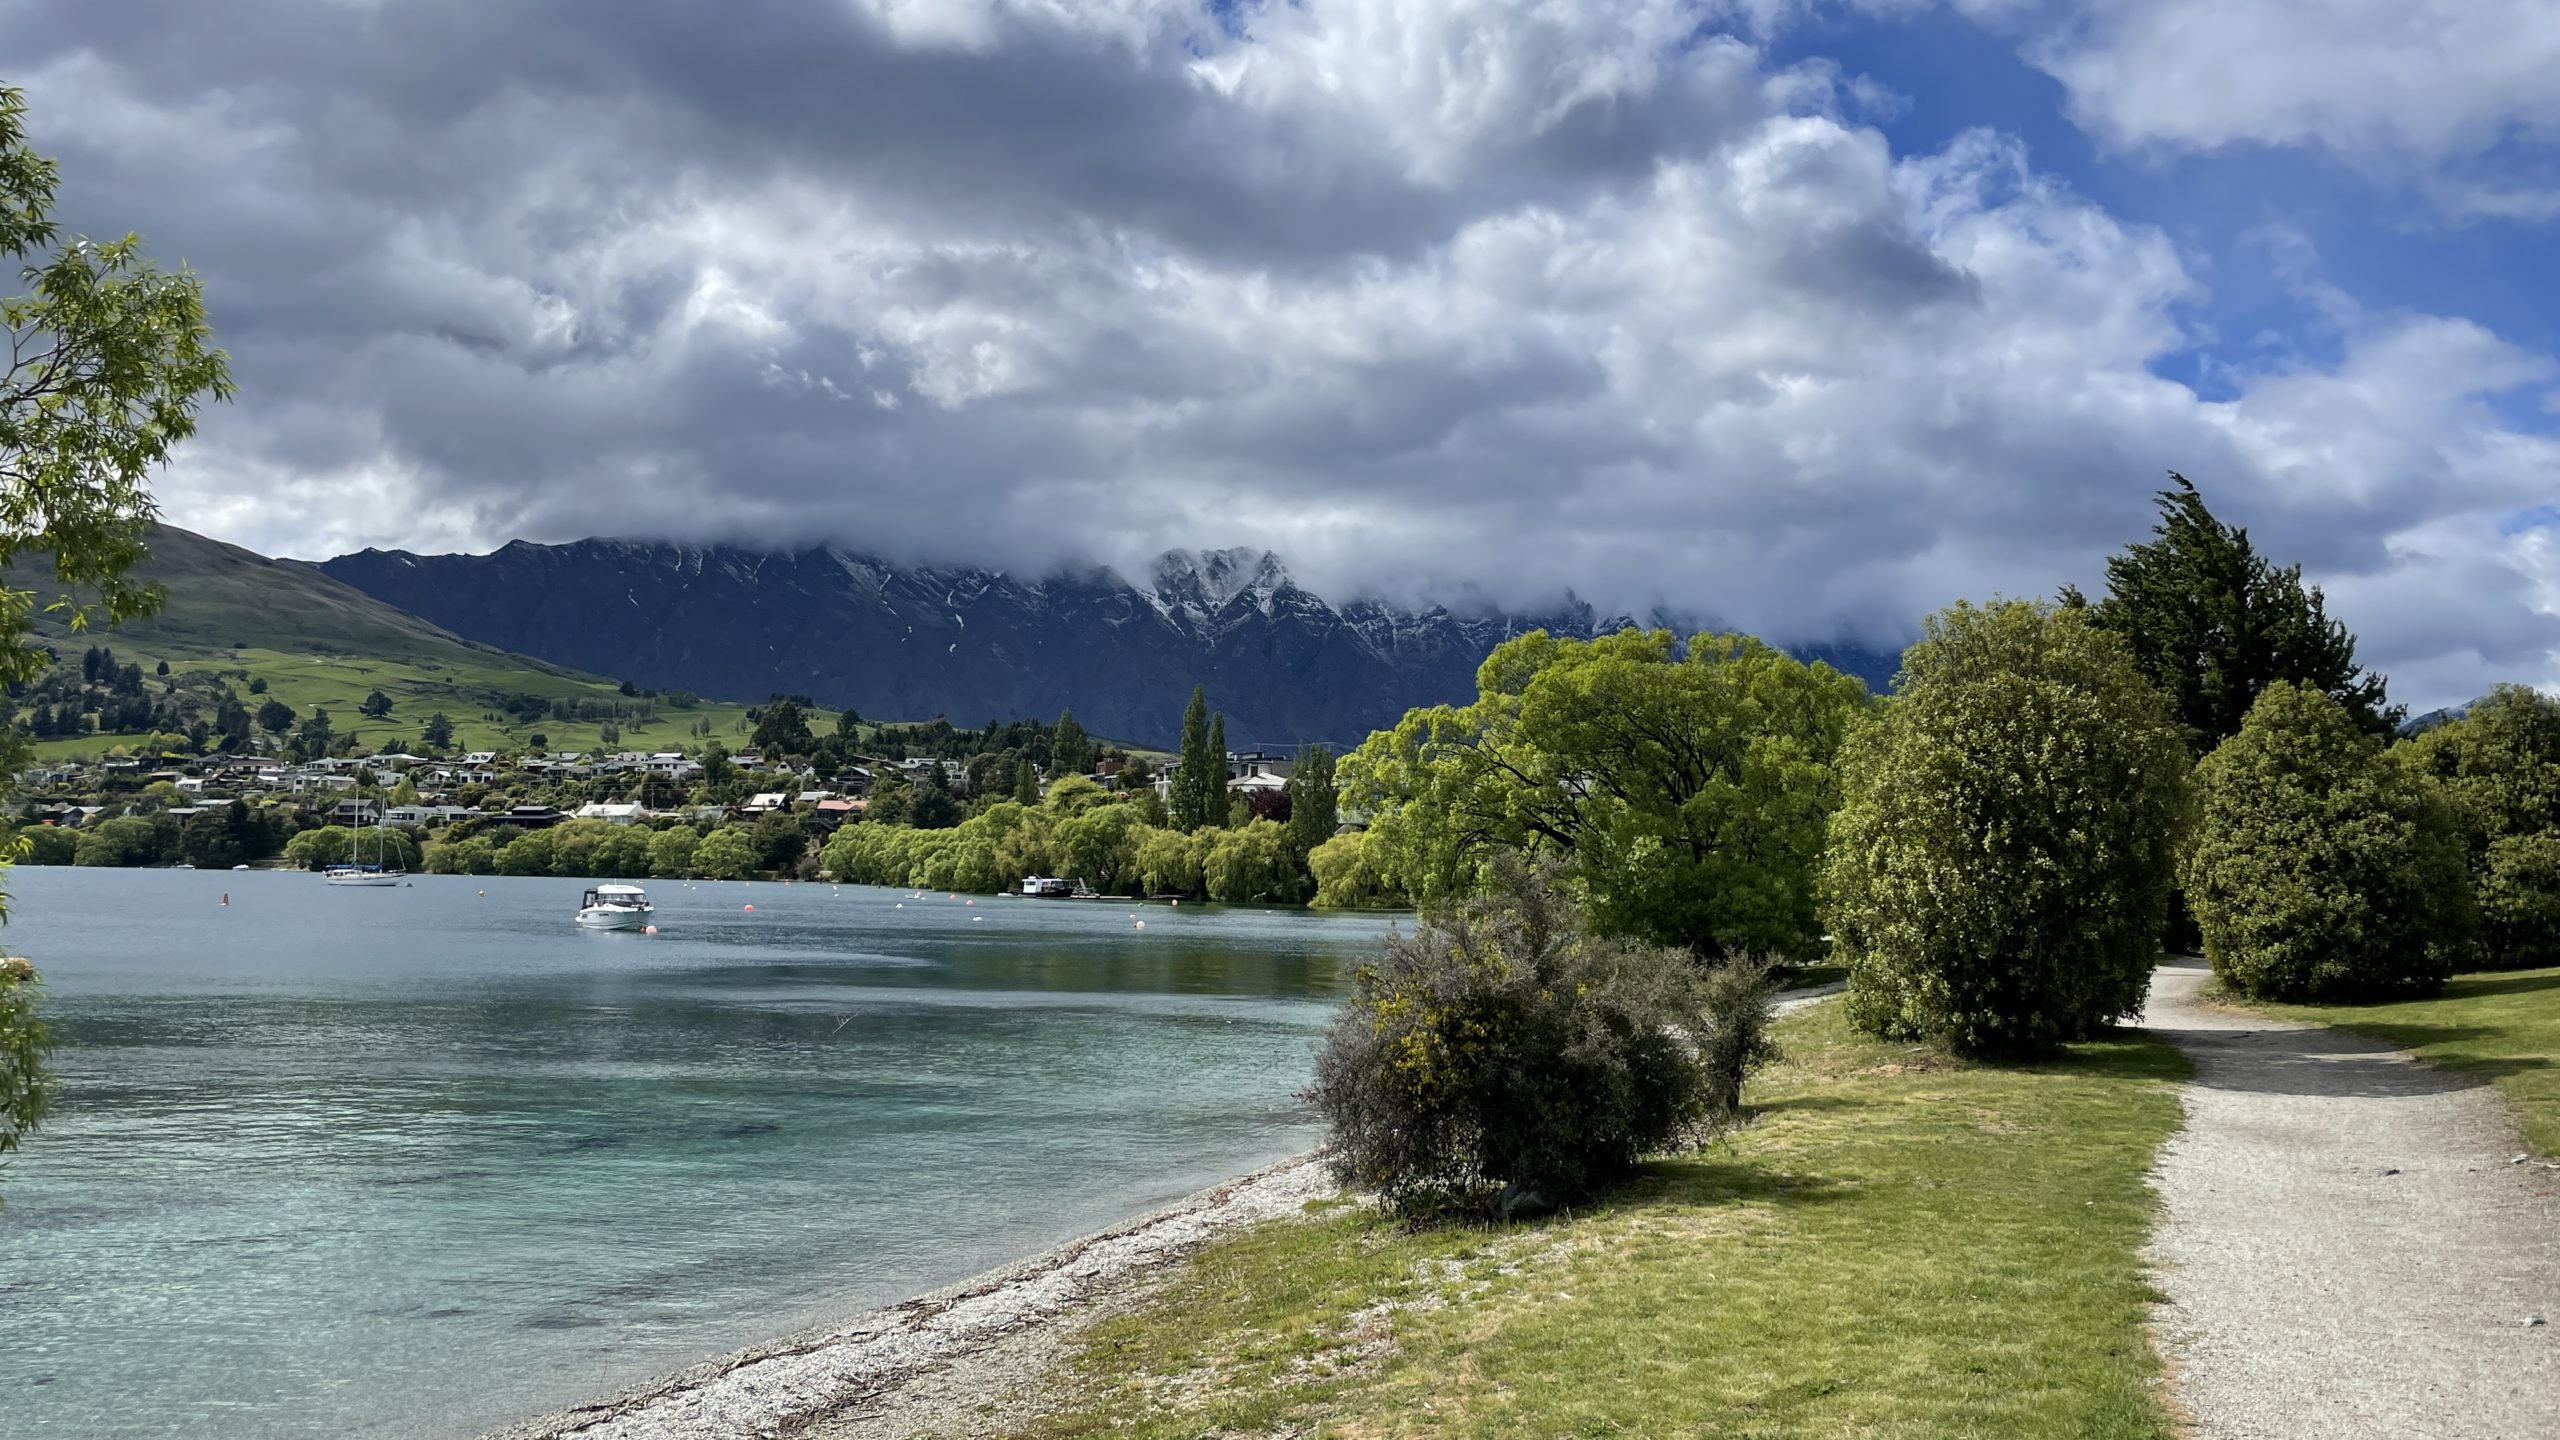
[1216, 805]
[779, 839]
[26, 1088]
[2000, 863]
[48, 845]
[531, 853]
[312, 737]
[1070, 749]
[727, 853]
[2500, 768]
[1314, 804]
[2212, 623]
[1688, 792]
[376, 705]
[1190, 800]
[933, 807]
[275, 717]
[1348, 877]
[671, 852]
[258, 685]
[1026, 783]
[1169, 861]
[128, 841]
[437, 734]
[1251, 864]
[783, 729]
[2321, 869]
[1100, 846]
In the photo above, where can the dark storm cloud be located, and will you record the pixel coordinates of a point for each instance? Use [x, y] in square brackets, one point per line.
[1457, 298]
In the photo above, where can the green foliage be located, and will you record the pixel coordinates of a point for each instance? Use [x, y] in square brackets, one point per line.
[1314, 802]
[1071, 751]
[1689, 792]
[109, 360]
[1737, 1005]
[1195, 800]
[48, 845]
[25, 1087]
[1251, 864]
[1169, 862]
[2517, 885]
[128, 840]
[1026, 783]
[2000, 863]
[1504, 1059]
[671, 852]
[728, 853]
[375, 706]
[275, 716]
[783, 729]
[2212, 623]
[1100, 847]
[1076, 794]
[2322, 870]
[2499, 766]
[329, 845]
[437, 734]
[1348, 877]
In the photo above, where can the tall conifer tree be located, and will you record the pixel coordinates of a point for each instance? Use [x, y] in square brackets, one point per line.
[1213, 774]
[1186, 776]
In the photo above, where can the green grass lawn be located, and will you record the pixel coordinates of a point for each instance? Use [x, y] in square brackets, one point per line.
[463, 684]
[2504, 1027]
[1901, 1246]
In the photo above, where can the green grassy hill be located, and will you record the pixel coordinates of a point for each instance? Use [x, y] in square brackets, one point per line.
[317, 642]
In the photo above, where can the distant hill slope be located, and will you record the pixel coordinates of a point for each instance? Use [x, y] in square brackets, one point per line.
[317, 641]
[974, 644]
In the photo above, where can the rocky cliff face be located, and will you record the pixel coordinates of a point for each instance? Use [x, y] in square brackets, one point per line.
[975, 645]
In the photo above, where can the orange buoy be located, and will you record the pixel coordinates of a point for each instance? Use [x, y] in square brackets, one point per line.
[749, 909]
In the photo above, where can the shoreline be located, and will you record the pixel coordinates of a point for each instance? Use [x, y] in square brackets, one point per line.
[947, 1355]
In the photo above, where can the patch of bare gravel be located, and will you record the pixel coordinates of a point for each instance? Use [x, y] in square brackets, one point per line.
[955, 1362]
[2348, 1244]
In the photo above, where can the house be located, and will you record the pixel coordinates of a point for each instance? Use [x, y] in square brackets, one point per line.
[307, 782]
[428, 817]
[766, 802]
[533, 817]
[191, 784]
[478, 758]
[354, 812]
[612, 813]
[828, 814]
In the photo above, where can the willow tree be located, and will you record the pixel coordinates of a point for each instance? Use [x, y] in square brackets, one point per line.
[109, 360]
[1686, 788]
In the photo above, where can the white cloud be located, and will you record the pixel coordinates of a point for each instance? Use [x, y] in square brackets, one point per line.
[2423, 81]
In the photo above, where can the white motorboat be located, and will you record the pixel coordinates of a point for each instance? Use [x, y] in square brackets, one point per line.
[1047, 887]
[615, 907]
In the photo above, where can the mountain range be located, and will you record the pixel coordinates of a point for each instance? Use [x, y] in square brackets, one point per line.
[911, 642]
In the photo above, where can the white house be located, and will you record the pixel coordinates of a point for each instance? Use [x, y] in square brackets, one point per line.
[611, 813]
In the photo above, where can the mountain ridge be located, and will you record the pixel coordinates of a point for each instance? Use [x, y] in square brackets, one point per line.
[976, 643]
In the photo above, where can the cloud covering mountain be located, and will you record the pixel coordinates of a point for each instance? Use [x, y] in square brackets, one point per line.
[1666, 304]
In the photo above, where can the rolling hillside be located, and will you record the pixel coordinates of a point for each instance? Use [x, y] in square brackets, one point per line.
[319, 642]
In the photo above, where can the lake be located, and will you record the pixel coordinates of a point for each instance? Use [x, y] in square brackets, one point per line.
[419, 1161]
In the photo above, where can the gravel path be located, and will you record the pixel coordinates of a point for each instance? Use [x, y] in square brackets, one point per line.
[2349, 1246]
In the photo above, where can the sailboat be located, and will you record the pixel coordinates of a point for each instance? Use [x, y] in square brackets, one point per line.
[355, 871]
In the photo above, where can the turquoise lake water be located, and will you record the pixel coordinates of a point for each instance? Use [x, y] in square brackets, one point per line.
[420, 1161]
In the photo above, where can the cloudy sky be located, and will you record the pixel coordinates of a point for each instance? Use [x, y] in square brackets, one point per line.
[1807, 314]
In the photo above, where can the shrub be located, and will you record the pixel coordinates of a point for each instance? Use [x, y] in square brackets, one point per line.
[2000, 864]
[1736, 1003]
[1503, 1059]
[2322, 870]
[48, 845]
